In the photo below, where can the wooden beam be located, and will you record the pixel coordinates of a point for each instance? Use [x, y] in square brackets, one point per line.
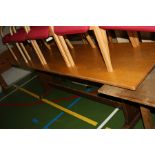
[147, 119]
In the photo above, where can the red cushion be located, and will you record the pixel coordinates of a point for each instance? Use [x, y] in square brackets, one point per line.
[130, 28]
[63, 30]
[6, 38]
[19, 36]
[38, 32]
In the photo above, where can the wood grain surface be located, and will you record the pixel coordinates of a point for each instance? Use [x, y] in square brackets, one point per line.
[144, 94]
[131, 65]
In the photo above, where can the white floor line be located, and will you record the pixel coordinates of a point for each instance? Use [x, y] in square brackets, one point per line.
[28, 81]
[80, 83]
[4, 97]
[108, 118]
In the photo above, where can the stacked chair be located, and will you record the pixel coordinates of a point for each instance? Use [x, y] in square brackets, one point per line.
[6, 40]
[101, 39]
[101, 36]
[131, 30]
[42, 32]
[34, 33]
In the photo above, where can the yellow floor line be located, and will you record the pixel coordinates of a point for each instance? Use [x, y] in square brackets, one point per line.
[89, 121]
[28, 92]
[13, 91]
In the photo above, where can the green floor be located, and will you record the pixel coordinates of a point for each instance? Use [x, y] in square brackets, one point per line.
[20, 110]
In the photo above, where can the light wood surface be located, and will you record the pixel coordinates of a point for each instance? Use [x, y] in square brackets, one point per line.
[103, 44]
[90, 41]
[36, 47]
[131, 65]
[62, 51]
[21, 52]
[38, 52]
[69, 43]
[133, 37]
[63, 43]
[25, 51]
[12, 31]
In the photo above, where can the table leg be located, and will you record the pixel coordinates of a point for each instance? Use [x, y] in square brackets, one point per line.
[131, 114]
[147, 119]
[44, 79]
[3, 83]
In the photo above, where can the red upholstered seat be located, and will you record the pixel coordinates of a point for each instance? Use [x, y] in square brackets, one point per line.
[6, 38]
[19, 36]
[63, 30]
[130, 28]
[38, 32]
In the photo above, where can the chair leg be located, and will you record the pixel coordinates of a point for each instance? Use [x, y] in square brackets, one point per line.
[90, 41]
[103, 44]
[38, 52]
[133, 38]
[62, 40]
[105, 39]
[136, 38]
[109, 37]
[69, 43]
[48, 46]
[62, 50]
[25, 51]
[21, 52]
[83, 38]
[11, 51]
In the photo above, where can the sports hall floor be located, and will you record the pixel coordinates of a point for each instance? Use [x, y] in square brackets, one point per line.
[19, 110]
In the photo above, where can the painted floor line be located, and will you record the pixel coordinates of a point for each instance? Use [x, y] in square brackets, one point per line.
[27, 92]
[59, 115]
[69, 106]
[13, 91]
[108, 118]
[78, 83]
[81, 117]
[28, 81]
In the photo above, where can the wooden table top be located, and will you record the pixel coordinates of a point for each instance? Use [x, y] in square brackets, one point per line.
[131, 65]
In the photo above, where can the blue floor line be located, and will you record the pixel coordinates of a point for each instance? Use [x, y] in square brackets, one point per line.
[69, 106]
[35, 120]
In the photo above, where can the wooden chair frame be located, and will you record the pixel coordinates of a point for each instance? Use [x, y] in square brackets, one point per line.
[69, 62]
[21, 47]
[102, 42]
[8, 46]
[104, 47]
